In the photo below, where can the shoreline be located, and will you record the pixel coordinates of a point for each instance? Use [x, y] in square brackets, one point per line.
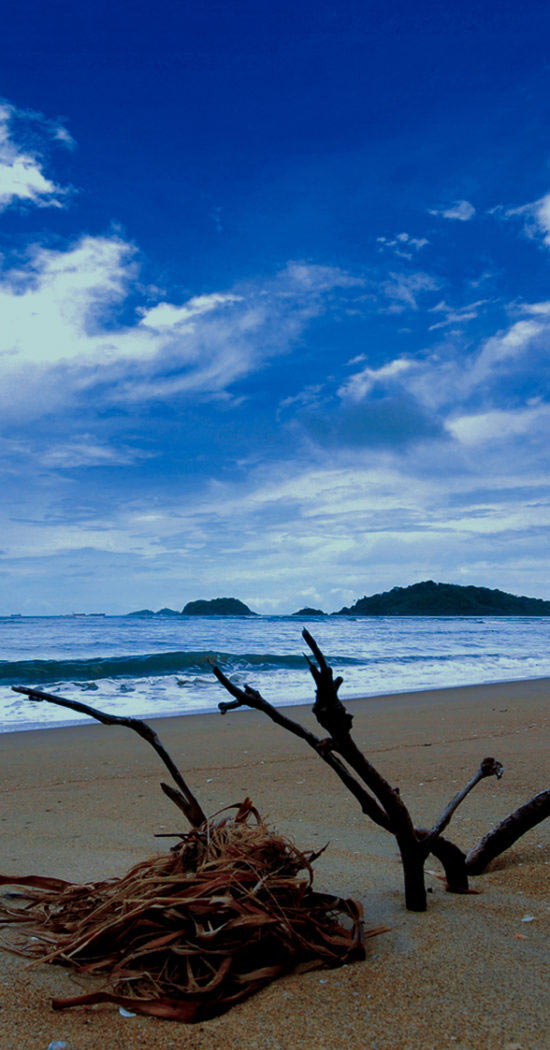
[539, 682]
[84, 803]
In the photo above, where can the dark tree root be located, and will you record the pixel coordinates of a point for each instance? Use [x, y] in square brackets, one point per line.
[382, 803]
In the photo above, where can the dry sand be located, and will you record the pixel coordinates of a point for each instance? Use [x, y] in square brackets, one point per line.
[84, 803]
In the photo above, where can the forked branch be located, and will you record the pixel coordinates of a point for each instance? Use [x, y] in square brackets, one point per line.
[379, 800]
[248, 697]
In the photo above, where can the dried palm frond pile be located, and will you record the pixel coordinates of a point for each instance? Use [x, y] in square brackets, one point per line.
[187, 934]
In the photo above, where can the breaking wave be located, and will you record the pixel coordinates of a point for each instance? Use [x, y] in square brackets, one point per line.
[33, 672]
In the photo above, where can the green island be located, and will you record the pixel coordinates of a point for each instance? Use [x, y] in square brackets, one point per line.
[446, 599]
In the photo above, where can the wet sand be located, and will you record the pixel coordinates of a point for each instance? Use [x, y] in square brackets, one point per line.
[84, 803]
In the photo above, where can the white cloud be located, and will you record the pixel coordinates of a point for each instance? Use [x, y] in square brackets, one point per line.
[73, 338]
[166, 315]
[455, 316]
[452, 374]
[22, 176]
[462, 389]
[500, 424]
[503, 348]
[275, 529]
[339, 515]
[87, 451]
[402, 244]
[311, 278]
[361, 383]
[537, 309]
[61, 323]
[308, 396]
[60, 134]
[542, 216]
[460, 211]
[403, 290]
[535, 217]
[53, 304]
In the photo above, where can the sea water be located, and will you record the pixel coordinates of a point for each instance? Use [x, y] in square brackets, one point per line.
[162, 666]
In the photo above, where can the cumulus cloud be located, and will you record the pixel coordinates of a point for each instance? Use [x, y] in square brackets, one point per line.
[22, 176]
[460, 211]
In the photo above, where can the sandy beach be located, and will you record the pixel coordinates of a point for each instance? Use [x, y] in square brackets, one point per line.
[84, 803]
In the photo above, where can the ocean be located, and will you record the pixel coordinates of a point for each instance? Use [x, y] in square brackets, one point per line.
[153, 667]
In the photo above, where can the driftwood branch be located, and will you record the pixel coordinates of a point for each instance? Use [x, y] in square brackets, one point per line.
[333, 716]
[386, 808]
[379, 800]
[488, 768]
[328, 708]
[507, 832]
[184, 797]
[248, 697]
[451, 858]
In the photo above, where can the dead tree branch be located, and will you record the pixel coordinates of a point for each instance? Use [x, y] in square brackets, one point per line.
[488, 768]
[248, 697]
[184, 797]
[382, 803]
[386, 808]
[507, 832]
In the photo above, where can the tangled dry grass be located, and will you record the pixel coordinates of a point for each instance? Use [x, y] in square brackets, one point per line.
[187, 934]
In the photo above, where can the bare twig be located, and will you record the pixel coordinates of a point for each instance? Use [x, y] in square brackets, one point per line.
[488, 768]
[187, 801]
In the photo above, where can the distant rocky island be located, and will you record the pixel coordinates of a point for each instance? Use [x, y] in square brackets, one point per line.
[446, 599]
[217, 607]
[210, 607]
[420, 599]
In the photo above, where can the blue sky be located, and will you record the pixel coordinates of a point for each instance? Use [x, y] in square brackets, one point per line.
[274, 301]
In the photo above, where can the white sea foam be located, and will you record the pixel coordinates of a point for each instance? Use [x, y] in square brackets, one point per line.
[155, 667]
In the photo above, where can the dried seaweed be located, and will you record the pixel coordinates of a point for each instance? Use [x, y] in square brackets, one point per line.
[187, 934]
